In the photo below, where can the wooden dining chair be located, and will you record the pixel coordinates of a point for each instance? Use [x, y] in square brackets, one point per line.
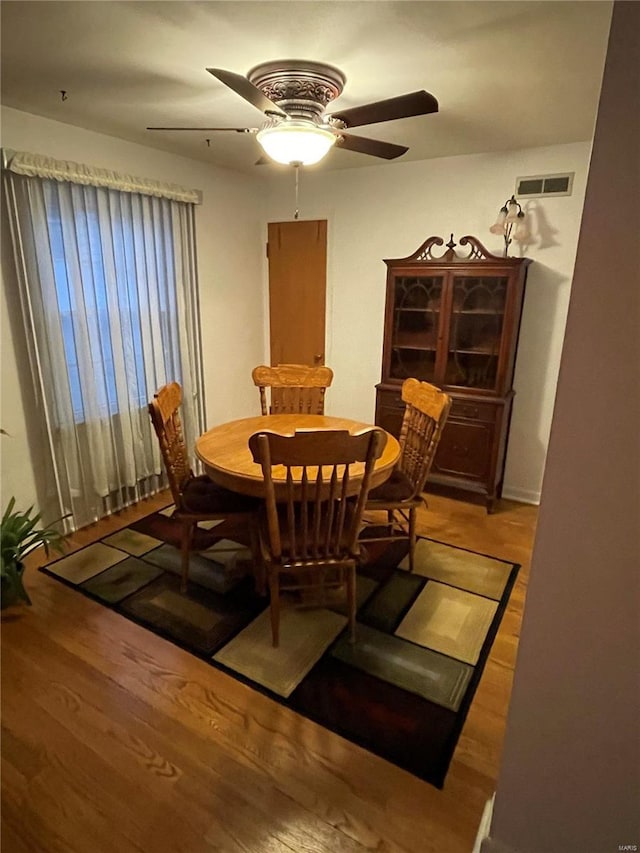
[196, 498]
[425, 414]
[309, 538]
[293, 388]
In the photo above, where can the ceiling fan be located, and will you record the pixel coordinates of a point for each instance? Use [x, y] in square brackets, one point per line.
[299, 129]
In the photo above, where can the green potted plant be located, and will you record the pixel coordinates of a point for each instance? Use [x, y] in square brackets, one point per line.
[19, 536]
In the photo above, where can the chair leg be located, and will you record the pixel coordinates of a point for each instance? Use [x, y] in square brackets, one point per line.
[259, 568]
[391, 520]
[412, 535]
[274, 588]
[187, 533]
[351, 603]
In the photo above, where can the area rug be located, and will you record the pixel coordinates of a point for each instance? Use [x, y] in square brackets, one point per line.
[402, 690]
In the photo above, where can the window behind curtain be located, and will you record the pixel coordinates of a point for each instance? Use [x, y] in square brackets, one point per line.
[110, 302]
[129, 288]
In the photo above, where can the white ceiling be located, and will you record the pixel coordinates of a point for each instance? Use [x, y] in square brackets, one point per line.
[507, 75]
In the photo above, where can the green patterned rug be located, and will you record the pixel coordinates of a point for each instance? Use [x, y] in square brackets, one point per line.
[402, 690]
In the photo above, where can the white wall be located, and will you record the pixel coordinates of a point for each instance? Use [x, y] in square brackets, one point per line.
[229, 228]
[387, 211]
[570, 776]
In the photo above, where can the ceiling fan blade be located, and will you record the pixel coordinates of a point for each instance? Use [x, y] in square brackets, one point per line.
[233, 129]
[375, 147]
[404, 106]
[243, 87]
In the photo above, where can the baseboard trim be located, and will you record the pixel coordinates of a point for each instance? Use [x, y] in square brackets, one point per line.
[484, 842]
[525, 496]
[485, 824]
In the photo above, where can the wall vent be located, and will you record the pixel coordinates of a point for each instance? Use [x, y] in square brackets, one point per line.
[536, 186]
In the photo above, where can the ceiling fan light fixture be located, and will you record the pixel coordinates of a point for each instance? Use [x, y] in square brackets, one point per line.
[297, 142]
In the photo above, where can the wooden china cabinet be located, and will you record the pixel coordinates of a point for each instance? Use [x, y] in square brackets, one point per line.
[453, 320]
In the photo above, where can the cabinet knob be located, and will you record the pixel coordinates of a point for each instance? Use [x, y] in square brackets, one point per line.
[471, 411]
[460, 451]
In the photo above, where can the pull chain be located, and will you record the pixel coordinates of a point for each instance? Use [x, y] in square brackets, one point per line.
[296, 166]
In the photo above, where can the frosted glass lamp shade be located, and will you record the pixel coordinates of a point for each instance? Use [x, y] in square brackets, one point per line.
[296, 142]
[498, 226]
[512, 212]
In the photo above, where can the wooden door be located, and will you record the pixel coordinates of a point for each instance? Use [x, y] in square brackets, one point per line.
[297, 253]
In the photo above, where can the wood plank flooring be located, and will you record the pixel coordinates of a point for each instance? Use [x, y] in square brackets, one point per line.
[114, 740]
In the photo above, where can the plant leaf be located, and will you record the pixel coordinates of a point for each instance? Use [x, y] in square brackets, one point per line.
[19, 536]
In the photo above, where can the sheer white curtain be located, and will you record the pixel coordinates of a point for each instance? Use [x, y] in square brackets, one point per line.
[109, 293]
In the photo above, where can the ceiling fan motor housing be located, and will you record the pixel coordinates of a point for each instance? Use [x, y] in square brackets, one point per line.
[299, 87]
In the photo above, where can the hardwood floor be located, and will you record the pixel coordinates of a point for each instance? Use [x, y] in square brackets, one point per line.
[115, 740]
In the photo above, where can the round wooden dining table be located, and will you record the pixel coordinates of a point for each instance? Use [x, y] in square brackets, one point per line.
[224, 450]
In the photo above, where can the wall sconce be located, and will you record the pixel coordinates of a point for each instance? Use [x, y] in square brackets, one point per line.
[511, 213]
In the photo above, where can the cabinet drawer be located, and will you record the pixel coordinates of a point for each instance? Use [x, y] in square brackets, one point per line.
[471, 410]
[390, 398]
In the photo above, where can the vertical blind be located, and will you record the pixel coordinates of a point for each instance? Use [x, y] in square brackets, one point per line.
[109, 291]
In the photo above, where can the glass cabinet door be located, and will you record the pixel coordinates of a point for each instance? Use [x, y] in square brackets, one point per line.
[416, 319]
[475, 331]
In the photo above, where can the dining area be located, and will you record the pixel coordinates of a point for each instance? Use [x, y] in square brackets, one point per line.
[296, 557]
[296, 486]
[291, 592]
[302, 634]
